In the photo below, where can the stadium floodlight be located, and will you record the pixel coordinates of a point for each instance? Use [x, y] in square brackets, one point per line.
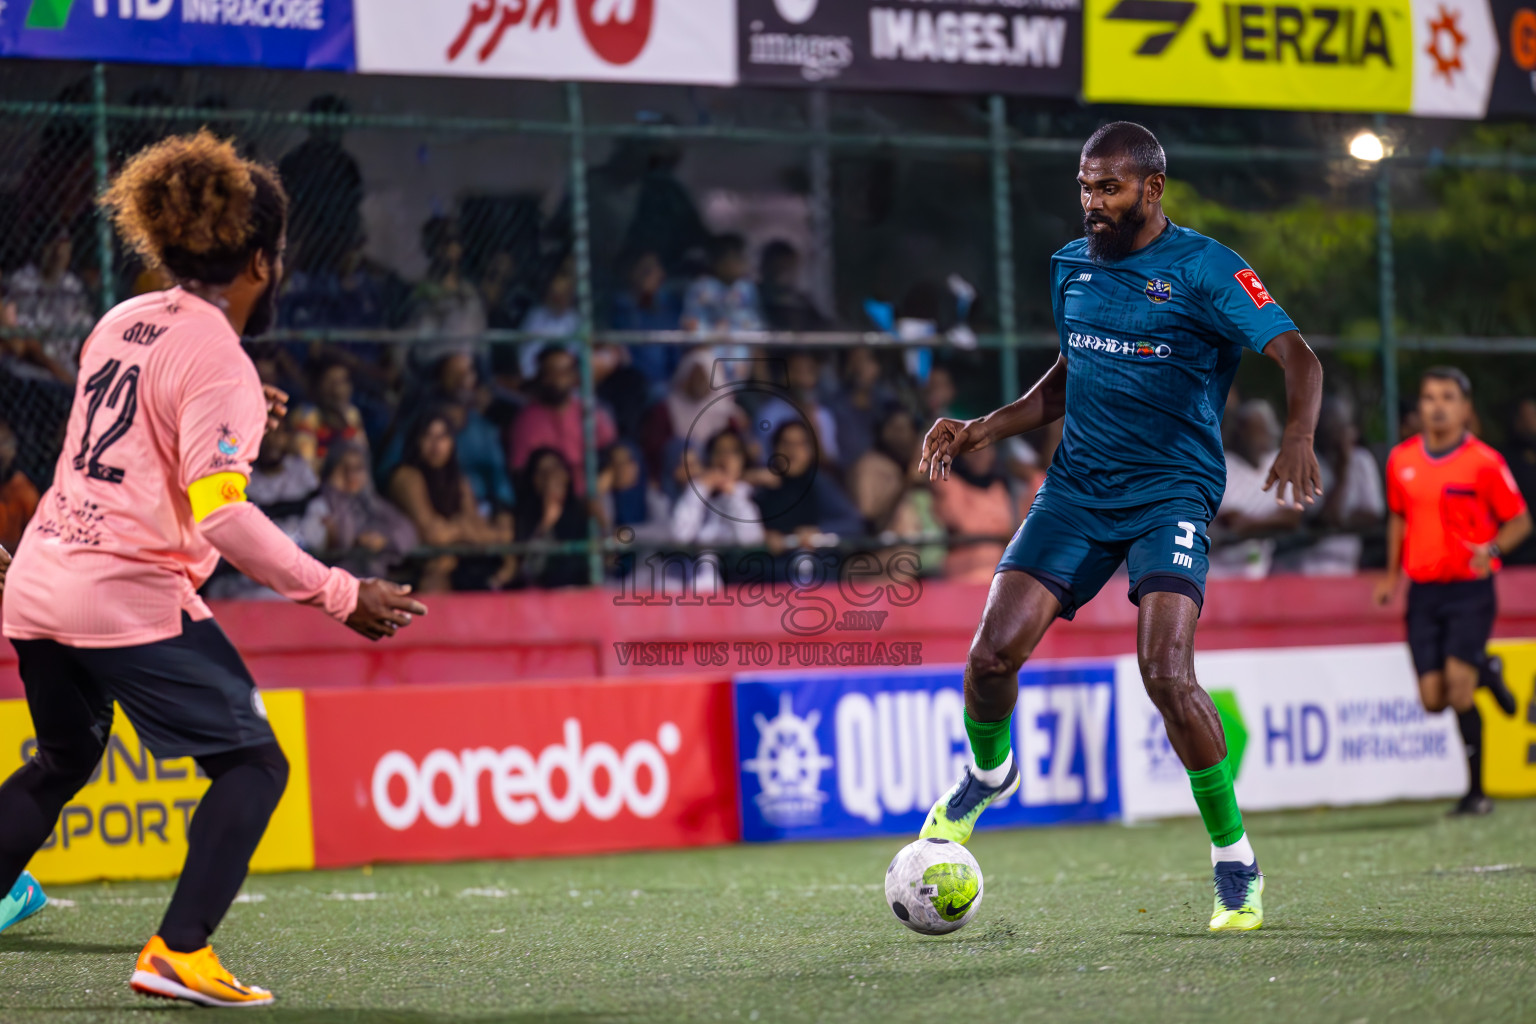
[1367, 147]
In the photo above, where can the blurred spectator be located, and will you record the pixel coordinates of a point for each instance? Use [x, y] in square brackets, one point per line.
[858, 403]
[879, 478]
[550, 512]
[355, 293]
[18, 495]
[975, 502]
[1022, 469]
[375, 535]
[52, 301]
[325, 193]
[801, 506]
[724, 300]
[785, 306]
[504, 292]
[58, 184]
[282, 485]
[331, 418]
[433, 491]
[1250, 517]
[623, 390]
[554, 319]
[553, 418]
[803, 367]
[666, 219]
[1352, 497]
[691, 413]
[1520, 453]
[630, 498]
[458, 393]
[649, 304]
[25, 359]
[446, 306]
[716, 508]
[939, 394]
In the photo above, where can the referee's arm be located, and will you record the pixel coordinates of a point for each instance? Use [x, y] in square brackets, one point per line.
[1510, 536]
[1386, 587]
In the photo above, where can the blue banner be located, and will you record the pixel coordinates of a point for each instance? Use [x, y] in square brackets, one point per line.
[832, 755]
[311, 34]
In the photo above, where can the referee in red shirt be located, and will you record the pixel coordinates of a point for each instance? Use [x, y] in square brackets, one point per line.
[1455, 510]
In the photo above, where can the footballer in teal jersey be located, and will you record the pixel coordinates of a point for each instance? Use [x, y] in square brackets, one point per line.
[1153, 320]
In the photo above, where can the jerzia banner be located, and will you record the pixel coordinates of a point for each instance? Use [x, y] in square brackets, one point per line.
[1032, 47]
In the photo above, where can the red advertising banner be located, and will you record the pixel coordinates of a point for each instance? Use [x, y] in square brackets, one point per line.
[520, 770]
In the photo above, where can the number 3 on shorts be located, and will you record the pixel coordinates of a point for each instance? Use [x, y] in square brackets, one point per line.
[1188, 539]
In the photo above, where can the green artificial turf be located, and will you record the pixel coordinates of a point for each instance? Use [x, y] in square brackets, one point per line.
[1382, 914]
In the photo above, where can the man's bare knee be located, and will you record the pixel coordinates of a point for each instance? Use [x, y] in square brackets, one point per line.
[986, 661]
[1168, 674]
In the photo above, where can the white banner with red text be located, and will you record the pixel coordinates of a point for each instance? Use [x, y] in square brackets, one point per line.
[682, 41]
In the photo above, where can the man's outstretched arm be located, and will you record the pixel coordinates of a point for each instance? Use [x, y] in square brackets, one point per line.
[948, 439]
[1297, 462]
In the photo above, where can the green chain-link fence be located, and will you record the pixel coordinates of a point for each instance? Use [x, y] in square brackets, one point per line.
[433, 217]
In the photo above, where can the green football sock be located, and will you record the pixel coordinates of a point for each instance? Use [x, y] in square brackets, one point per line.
[991, 742]
[1217, 802]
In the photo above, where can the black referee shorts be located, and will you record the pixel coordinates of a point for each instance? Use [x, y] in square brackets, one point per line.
[187, 696]
[1449, 620]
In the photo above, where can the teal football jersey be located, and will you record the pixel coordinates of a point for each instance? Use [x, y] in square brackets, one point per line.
[1152, 343]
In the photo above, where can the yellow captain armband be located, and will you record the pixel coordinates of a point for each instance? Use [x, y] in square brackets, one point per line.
[214, 492]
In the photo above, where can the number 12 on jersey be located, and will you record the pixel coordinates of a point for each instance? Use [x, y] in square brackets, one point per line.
[122, 398]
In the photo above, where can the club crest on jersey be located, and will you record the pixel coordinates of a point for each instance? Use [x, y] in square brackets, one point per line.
[229, 444]
[1159, 291]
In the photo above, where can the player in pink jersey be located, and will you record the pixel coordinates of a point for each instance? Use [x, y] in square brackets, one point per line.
[101, 600]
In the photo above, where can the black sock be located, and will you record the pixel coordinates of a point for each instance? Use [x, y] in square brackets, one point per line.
[1471, 722]
[30, 802]
[225, 831]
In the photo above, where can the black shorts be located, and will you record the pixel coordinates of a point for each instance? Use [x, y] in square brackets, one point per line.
[188, 696]
[1449, 620]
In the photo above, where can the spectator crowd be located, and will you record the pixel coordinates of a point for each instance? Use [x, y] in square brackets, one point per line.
[457, 464]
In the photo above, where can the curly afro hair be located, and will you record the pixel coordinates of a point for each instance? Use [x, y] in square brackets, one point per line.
[193, 205]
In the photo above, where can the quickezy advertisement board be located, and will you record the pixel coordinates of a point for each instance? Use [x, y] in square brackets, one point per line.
[1013, 46]
[841, 754]
[520, 769]
[686, 41]
[312, 34]
[1306, 727]
[131, 819]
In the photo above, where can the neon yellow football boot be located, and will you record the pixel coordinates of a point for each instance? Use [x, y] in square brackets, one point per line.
[1239, 897]
[954, 816]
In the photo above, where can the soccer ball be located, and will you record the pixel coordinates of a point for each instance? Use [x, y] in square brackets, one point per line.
[933, 886]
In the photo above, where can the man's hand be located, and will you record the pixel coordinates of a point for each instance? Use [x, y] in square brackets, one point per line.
[1295, 465]
[277, 406]
[1482, 560]
[5, 563]
[383, 608]
[946, 441]
[1385, 590]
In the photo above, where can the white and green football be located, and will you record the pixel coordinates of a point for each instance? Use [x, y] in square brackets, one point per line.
[933, 886]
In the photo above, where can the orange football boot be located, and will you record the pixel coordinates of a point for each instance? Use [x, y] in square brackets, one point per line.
[196, 977]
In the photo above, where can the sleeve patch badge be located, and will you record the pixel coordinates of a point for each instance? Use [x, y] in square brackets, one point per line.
[1254, 287]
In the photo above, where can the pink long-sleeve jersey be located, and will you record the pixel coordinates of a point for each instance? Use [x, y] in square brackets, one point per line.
[114, 555]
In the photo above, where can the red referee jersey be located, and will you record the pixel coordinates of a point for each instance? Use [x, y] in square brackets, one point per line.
[1450, 502]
